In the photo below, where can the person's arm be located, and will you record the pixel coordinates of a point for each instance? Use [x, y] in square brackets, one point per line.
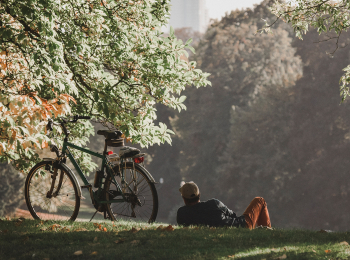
[226, 210]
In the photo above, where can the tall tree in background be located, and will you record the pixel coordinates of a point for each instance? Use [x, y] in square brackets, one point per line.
[11, 189]
[292, 146]
[242, 65]
[330, 18]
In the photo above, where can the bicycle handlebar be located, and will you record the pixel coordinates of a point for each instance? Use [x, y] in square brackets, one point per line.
[75, 118]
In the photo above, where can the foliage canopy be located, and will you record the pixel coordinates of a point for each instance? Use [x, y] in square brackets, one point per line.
[330, 18]
[106, 59]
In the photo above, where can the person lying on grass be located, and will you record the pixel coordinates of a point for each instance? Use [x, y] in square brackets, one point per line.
[215, 214]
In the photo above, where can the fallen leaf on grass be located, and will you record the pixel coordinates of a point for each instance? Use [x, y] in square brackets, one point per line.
[95, 240]
[313, 250]
[135, 230]
[134, 242]
[344, 243]
[78, 252]
[18, 223]
[65, 229]
[160, 227]
[41, 223]
[327, 251]
[104, 229]
[325, 231]
[94, 253]
[284, 256]
[43, 229]
[162, 235]
[119, 241]
[54, 227]
[97, 230]
[80, 229]
[169, 228]
[96, 224]
[231, 256]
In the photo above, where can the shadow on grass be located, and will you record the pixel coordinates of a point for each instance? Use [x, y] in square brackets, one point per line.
[123, 240]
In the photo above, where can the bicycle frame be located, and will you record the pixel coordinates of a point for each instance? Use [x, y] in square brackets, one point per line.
[66, 151]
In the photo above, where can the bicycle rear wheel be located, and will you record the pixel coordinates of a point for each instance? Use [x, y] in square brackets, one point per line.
[140, 192]
[62, 205]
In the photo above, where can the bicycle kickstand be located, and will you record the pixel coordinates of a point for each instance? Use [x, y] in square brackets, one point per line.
[93, 215]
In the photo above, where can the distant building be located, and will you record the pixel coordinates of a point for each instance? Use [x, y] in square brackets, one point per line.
[189, 13]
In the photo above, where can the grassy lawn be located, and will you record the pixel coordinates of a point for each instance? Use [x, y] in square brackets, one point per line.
[30, 239]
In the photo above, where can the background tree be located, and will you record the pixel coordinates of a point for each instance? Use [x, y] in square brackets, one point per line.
[242, 64]
[288, 143]
[328, 17]
[11, 189]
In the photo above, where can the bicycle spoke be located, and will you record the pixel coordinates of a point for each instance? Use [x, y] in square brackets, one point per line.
[64, 205]
[137, 189]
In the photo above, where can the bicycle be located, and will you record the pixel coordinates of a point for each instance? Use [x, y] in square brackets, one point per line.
[124, 189]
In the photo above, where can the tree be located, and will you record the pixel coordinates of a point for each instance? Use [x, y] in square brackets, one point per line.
[330, 18]
[106, 59]
[242, 65]
[11, 189]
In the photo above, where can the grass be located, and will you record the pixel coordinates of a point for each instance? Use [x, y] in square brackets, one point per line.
[31, 239]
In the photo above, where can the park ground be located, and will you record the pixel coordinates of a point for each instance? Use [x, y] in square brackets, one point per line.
[33, 239]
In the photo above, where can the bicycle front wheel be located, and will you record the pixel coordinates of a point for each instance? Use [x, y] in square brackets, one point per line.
[141, 195]
[61, 204]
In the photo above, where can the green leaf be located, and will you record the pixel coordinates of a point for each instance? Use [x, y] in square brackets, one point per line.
[191, 49]
[182, 99]
[172, 32]
[188, 41]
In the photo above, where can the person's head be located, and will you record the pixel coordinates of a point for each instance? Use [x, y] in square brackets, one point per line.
[190, 193]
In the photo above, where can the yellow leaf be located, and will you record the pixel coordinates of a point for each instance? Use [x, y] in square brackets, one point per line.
[78, 252]
[327, 251]
[169, 228]
[134, 230]
[94, 253]
[160, 227]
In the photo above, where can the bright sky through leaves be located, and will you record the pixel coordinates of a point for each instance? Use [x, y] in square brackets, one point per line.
[218, 8]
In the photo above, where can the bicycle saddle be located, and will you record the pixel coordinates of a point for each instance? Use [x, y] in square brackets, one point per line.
[110, 134]
[128, 152]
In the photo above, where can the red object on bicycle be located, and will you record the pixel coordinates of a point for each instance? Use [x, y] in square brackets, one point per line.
[139, 159]
[110, 152]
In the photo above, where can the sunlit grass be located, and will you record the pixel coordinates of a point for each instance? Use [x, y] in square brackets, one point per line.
[137, 240]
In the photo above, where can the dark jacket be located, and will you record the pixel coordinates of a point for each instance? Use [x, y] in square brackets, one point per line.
[209, 213]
